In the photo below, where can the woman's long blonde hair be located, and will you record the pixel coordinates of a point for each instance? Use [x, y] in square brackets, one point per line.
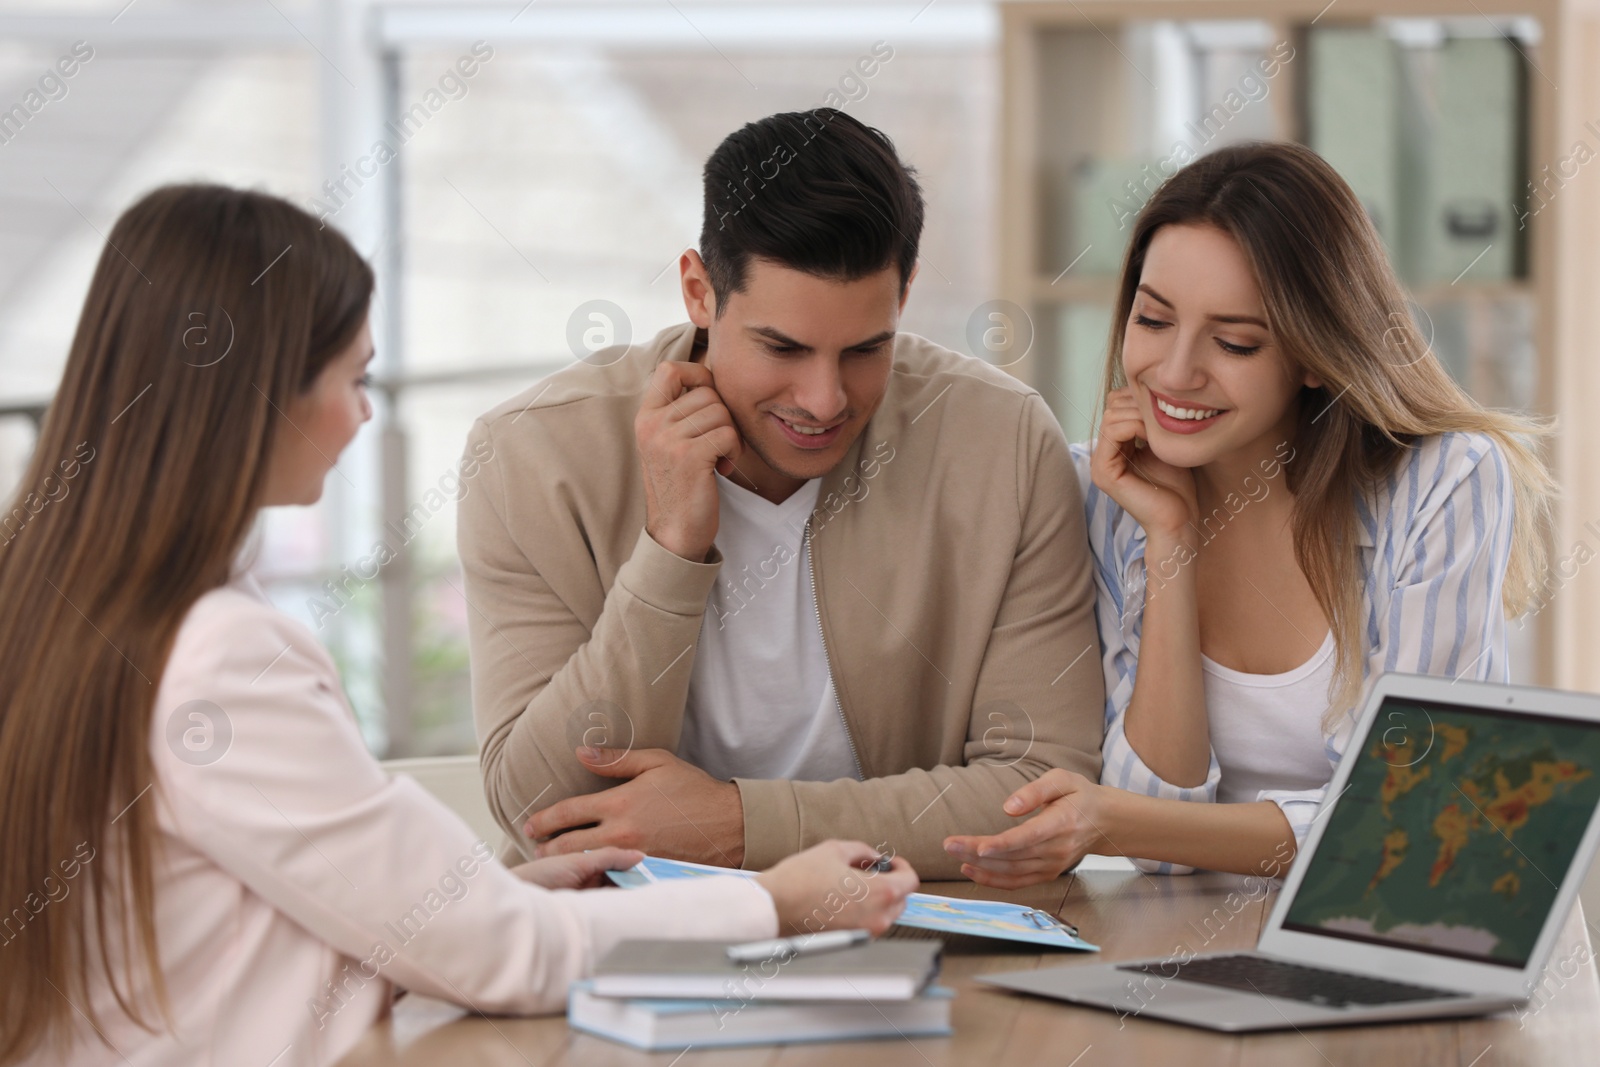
[1336, 308]
[209, 311]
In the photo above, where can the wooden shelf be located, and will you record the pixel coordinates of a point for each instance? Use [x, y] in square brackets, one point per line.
[1043, 63]
[1102, 288]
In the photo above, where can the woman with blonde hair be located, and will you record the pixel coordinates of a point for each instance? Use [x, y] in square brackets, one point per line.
[1289, 497]
[202, 863]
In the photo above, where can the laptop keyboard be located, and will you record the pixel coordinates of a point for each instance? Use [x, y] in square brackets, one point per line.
[1292, 981]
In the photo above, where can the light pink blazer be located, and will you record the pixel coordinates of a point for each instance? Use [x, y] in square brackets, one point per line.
[297, 883]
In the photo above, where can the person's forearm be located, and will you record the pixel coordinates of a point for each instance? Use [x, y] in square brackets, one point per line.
[1252, 838]
[908, 814]
[623, 687]
[1166, 719]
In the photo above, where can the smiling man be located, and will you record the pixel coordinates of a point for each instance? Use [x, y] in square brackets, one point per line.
[783, 573]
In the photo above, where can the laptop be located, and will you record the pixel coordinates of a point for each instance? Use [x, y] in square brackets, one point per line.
[1435, 883]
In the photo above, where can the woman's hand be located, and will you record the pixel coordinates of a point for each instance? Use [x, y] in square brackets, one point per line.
[1159, 496]
[578, 870]
[827, 887]
[1070, 811]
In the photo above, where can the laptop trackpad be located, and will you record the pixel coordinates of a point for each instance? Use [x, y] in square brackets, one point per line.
[1111, 987]
[1134, 993]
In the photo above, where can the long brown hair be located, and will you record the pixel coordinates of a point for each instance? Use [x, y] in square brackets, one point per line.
[1337, 309]
[210, 309]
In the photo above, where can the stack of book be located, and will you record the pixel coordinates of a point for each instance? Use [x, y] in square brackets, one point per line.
[662, 995]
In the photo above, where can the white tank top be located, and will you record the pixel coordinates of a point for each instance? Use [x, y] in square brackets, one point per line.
[1266, 729]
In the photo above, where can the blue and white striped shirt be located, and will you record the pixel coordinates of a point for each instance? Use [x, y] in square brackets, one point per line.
[1435, 543]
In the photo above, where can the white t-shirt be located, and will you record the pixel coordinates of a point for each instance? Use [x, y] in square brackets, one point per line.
[761, 701]
[1266, 729]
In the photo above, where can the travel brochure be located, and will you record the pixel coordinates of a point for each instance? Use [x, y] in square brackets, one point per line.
[926, 911]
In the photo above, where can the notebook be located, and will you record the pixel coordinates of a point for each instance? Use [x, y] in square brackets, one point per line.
[878, 970]
[655, 1025]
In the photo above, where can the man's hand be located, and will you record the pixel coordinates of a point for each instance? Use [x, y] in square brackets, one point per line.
[685, 435]
[1071, 811]
[577, 870]
[668, 808]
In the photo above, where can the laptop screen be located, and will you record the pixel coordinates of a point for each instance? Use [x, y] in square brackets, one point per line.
[1454, 833]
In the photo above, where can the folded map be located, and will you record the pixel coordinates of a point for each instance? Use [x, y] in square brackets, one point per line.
[927, 911]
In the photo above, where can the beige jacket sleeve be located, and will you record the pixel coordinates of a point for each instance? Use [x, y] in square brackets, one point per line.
[543, 682]
[1038, 703]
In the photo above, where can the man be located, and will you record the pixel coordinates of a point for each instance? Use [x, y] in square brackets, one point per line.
[783, 573]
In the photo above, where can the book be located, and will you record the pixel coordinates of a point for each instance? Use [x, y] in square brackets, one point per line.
[927, 911]
[657, 1025]
[878, 970]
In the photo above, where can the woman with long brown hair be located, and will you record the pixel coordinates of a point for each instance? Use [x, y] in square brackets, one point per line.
[199, 861]
[1289, 496]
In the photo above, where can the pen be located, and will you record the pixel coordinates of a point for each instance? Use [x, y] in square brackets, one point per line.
[806, 945]
[1045, 921]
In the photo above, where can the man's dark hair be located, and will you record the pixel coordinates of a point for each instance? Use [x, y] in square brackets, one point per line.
[815, 191]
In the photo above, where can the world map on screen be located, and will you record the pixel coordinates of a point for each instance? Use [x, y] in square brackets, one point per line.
[1455, 832]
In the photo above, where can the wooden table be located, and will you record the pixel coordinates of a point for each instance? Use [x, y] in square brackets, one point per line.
[1129, 915]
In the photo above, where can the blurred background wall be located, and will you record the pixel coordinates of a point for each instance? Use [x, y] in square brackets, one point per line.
[524, 176]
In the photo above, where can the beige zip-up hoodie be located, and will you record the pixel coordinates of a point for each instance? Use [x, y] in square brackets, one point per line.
[953, 589]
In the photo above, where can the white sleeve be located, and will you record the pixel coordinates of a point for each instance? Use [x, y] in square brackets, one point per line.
[1439, 581]
[298, 810]
[1119, 613]
[1444, 614]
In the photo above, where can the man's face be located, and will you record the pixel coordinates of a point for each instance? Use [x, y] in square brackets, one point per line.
[801, 363]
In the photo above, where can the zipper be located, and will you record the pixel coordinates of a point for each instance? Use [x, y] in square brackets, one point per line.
[827, 660]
